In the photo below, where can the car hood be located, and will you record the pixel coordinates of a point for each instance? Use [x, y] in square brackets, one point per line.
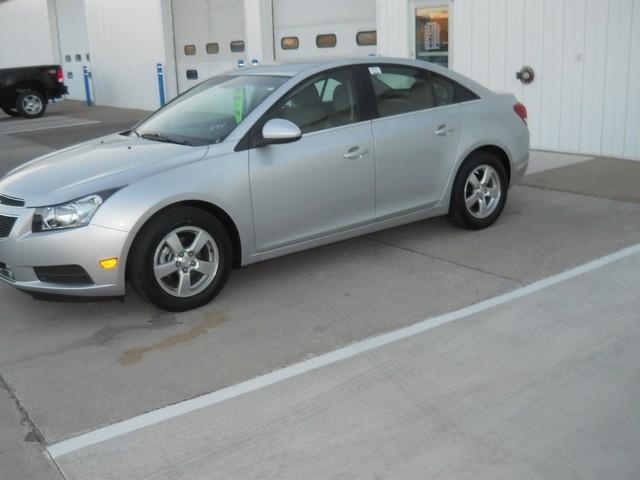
[90, 167]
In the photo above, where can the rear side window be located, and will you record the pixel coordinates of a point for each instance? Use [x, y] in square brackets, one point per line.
[399, 89]
[447, 91]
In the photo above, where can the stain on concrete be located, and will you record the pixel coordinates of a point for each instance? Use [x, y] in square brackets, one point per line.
[105, 336]
[210, 320]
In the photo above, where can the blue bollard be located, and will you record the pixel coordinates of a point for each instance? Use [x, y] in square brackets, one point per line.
[254, 62]
[240, 63]
[87, 89]
[160, 70]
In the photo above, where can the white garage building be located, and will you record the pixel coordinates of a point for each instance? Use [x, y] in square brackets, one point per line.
[585, 54]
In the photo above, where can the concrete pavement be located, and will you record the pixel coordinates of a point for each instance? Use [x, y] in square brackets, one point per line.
[74, 367]
[544, 387]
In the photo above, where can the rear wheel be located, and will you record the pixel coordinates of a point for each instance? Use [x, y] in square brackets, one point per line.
[181, 259]
[479, 192]
[31, 104]
[12, 112]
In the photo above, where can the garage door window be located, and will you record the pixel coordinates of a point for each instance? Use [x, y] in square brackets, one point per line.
[290, 43]
[189, 50]
[367, 38]
[213, 48]
[327, 40]
[237, 46]
[326, 101]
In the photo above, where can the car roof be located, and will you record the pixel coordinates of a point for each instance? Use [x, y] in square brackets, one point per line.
[301, 70]
[294, 69]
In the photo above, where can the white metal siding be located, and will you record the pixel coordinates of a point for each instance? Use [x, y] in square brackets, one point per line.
[306, 19]
[586, 55]
[74, 40]
[198, 22]
[126, 39]
[25, 37]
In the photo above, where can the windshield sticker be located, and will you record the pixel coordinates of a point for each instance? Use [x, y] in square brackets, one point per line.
[375, 70]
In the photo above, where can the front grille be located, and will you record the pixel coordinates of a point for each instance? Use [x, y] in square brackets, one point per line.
[6, 225]
[63, 275]
[11, 202]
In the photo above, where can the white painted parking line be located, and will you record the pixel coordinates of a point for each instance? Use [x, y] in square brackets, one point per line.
[49, 124]
[172, 411]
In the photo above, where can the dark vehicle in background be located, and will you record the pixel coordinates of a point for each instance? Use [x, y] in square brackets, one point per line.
[26, 91]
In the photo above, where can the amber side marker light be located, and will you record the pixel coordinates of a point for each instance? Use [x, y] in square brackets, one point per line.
[109, 263]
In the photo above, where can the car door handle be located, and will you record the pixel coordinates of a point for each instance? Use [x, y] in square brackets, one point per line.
[443, 131]
[355, 152]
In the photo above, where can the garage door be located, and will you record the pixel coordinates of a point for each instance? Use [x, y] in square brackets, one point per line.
[74, 44]
[209, 38]
[311, 30]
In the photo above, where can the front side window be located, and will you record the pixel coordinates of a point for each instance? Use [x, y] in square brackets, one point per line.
[326, 101]
[209, 112]
[400, 89]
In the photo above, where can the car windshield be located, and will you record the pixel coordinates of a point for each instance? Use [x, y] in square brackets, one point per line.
[209, 112]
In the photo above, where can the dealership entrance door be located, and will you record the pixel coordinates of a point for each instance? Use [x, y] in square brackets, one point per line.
[430, 21]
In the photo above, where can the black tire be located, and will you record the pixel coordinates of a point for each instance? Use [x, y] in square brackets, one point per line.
[12, 112]
[459, 214]
[31, 104]
[142, 257]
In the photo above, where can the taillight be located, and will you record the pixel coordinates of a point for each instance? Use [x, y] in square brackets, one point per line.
[60, 75]
[521, 110]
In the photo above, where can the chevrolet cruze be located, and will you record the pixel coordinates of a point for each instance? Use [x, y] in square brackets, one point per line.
[255, 164]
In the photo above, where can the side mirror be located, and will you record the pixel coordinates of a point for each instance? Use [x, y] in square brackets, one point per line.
[279, 130]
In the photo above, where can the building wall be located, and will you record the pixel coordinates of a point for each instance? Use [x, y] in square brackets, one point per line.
[126, 40]
[586, 55]
[18, 49]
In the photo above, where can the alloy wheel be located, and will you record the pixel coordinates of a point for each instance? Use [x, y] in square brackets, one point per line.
[186, 261]
[482, 191]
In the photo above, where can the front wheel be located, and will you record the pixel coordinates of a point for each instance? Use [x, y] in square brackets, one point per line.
[181, 259]
[31, 104]
[479, 192]
[12, 112]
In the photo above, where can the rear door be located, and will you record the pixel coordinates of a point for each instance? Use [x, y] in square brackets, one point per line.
[416, 136]
[324, 182]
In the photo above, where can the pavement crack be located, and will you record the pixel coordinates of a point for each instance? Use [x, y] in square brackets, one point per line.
[446, 260]
[33, 435]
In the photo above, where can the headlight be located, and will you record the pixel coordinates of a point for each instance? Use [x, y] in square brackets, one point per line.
[76, 213]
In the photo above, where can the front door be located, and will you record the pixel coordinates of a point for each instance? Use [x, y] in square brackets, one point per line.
[324, 182]
[430, 20]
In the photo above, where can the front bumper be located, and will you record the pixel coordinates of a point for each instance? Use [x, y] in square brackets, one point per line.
[22, 251]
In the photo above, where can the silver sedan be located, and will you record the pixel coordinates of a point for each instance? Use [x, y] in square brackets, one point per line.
[255, 164]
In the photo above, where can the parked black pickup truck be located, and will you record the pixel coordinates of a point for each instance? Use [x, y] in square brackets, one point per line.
[27, 90]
